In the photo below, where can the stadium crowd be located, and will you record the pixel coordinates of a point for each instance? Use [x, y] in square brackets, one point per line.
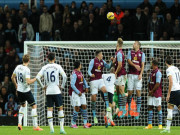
[72, 23]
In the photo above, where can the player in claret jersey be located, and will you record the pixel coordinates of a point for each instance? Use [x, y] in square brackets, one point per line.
[22, 72]
[155, 94]
[95, 71]
[78, 95]
[173, 96]
[120, 73]
[136, 60]
[51, 73]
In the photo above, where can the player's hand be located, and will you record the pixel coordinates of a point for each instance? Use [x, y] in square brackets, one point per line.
[151, 93]
[115, 74]
[112, 59]
[138, 67]
[80, 94]
[140, 77]
[92, 75]
[86, 90]
[45, 88]
[167, 98]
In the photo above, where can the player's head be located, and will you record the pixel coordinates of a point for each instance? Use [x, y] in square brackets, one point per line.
[155, 63]
[99, 54]
[112, 70]
[77, 65]
[119, 43]
[25, 58]
[169, 60]
[136, 45]
[51, 56]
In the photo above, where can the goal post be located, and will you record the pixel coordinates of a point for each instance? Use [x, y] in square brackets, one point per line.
[69, 51]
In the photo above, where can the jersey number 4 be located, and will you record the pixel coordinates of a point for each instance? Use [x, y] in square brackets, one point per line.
[51, 76]
[108, 79]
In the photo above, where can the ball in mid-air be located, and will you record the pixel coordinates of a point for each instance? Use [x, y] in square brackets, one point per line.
[110, 15]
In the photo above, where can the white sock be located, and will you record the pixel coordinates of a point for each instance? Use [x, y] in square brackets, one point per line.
[61, 118]
[110, 116]
[169, 118]
[21, 115]
[34, 116]
[50, 120]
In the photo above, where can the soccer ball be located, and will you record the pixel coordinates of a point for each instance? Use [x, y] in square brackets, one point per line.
[110, 15]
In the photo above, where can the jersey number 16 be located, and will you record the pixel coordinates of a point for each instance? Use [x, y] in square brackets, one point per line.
[51, 76]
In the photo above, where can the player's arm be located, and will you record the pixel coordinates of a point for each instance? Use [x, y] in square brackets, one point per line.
[131, 63]
[91, 64]
[142, 66]
[85, 84]
[38, 78]
[108, 66]
[119, 59]
[28, 80]
[64, 77]
[73, 82]
[158, 81]
[170, 84]
[13, 78]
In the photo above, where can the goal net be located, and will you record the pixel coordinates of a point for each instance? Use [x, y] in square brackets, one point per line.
[68, 52]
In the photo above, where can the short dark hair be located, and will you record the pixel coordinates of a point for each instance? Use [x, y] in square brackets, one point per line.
[155, 62]
[97, 52]
[169, 60]
[77, 64]
[51, 56]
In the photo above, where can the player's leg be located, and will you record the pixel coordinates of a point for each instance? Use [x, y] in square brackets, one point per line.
[94, 92]
[130, 91]
[76, 104]
[50, 105]
[110, 96]
[59, 104]
[159, 109]
[21, 110]
[31, 102]
[150, 113]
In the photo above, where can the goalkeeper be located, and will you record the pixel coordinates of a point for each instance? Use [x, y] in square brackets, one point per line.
[115, 101]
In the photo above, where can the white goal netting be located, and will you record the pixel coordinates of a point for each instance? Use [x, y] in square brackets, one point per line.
[68, 52]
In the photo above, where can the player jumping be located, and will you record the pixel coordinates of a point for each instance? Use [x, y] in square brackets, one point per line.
[173, 96]
[136, 60]
[95, 69]
[78, 99]
[120, 73]
[51, 73]
[22, 72]
[155, 94]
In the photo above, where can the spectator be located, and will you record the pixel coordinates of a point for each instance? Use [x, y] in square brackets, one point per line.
[121, 33]
[6, 9]
[110, 7]
[83, 8]
[11, 106]
[41, 5]
[113, 30]
[27, 11]
[74, 12]
[176, 30]
[161, 5]
[45, 25]
[146, 13]
[10, 34]
[118, 14]
[57, 20]
[67, 29]
[1, 15]
[144, 4]
[2, 35]
[4, 97]
[139, 25]
[76, 33]
[14, 21]
[1, 106]
[175, 9]
[34, 19]
[25, 33]
[22, 8]
[52, 8]
[168, 25]
[57, 35]
[66, 13]
[126, 21]
[105, 8]
[20, 17]
[82, 29]
[165, 36]
[91, 8]
[154, 25]
[8, 47]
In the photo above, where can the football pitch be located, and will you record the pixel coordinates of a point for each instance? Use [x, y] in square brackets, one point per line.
[98, 130]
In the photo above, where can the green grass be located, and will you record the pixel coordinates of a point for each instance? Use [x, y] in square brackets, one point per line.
[12, 130]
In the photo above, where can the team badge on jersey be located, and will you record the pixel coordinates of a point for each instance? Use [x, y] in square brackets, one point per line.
[139, 55]
[135, 58]
[99, 67]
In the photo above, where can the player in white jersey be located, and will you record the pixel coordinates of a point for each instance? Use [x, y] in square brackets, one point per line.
[22, 85]
[51, 73]
[109, 80]
[173, 96]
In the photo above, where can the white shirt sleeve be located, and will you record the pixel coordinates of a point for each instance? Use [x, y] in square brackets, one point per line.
[14, 72]
[168, 72]
[61, 71]
[40, 74]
